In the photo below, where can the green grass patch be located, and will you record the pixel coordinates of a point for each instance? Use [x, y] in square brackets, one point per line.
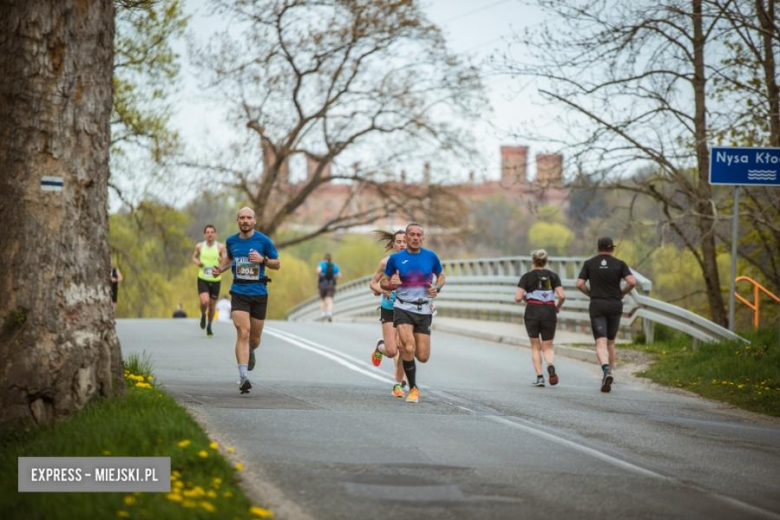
[747, 376]
[147, 422]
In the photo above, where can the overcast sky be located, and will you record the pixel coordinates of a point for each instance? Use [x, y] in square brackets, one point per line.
[474, 28]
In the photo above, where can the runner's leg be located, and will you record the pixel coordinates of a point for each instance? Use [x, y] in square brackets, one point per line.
[536, 356]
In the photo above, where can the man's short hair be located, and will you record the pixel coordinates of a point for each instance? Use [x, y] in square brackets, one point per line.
[414, 224]
[209, 226]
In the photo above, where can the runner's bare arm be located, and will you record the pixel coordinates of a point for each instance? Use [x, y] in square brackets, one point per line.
[519, 294]
[582, 287]
[561, 298]
[224, 263]
[374, 283]
[196, 256]
[273, 263]
[433, 290]
[630, 284]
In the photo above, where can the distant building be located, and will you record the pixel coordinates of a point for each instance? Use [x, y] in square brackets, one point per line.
[546, 189]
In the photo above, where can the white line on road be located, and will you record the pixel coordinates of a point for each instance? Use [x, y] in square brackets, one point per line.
[338, 357]
[324, 351]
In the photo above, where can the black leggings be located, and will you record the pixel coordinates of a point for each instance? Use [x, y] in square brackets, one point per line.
[605, 318]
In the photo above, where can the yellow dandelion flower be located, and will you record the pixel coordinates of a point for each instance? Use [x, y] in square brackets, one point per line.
[211, 493]
[239, 466]
[208, 506]
[150, 378]
[217, 480]
[106, 452]
[178, 484]
[203, 454]
[122, 514]
[231, 450]
[214, 445]
[188, 503]
[143, 385]
[130, 500]
[199, 491]
[184, 443]
[173, 497]
[260, 512]
[227, 494]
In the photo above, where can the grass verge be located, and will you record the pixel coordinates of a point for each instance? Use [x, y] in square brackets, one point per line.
[147, 422]
[747, 376]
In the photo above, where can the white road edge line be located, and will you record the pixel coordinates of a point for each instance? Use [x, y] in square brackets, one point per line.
[335, 355]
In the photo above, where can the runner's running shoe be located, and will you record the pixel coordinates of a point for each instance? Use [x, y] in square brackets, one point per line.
[252, 360]
[553, 375]
[376, 357]
[539, 381]
[208, 330]
[245, 385]
[398, 390]
[414, 395]
[606, 383]
[202, 320]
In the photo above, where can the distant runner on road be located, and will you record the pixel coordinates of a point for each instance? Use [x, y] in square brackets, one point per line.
[206, 256]
[540, 288]
[605, 272]
[250, 253]
[327, 274]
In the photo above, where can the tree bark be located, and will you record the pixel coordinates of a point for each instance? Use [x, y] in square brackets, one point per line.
[58, 343]
[704, 205]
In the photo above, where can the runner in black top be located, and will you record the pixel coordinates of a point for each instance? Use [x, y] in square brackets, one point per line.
[605, 272]
[539, 288]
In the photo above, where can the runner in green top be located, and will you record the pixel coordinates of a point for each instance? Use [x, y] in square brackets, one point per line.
[206, 256]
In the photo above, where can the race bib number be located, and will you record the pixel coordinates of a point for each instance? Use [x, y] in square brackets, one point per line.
[207, 271]
[247, 271]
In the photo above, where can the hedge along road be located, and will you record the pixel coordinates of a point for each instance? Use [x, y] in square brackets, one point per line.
[322, 437]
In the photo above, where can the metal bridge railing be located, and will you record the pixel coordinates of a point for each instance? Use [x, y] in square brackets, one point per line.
[484, 289]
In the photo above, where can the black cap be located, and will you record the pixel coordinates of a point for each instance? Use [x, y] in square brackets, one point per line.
[606, 244]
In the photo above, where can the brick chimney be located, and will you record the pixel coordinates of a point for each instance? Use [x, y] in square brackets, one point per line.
[513, 165]
[427, 173]
[549, 169]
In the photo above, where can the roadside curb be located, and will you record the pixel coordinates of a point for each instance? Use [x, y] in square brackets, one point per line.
[579, 353]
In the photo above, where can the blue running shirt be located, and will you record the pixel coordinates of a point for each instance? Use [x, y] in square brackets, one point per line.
[246, 275]
[416, 271]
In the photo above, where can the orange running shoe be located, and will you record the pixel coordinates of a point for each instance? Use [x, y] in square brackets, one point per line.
[398, 390]
[376, 357]
[414, 395]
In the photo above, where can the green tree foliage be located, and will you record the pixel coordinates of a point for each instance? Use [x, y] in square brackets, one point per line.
[145, 70]
[553, 237]
[150, 248]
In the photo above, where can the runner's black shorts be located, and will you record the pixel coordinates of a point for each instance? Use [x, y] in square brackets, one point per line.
[256, 306]
[421, 322]
[327, 290]
[543, 328]
[210, 287]
[386, 315]
[605, 317]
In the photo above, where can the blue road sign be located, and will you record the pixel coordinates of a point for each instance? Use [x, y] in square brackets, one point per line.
[745, 166]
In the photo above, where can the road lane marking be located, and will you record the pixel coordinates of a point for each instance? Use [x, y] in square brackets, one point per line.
[326, 352]
[338, 357]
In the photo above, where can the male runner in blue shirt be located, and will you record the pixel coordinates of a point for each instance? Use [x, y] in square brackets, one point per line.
[410, 274]
[249, 252]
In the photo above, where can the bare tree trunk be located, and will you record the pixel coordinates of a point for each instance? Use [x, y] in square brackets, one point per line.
[704, 206]
[58, 343]
[766, 17]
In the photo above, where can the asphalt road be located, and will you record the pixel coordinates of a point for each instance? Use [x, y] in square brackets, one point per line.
[322, 437]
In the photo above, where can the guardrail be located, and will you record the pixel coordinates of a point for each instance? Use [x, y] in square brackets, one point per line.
[485, 288]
